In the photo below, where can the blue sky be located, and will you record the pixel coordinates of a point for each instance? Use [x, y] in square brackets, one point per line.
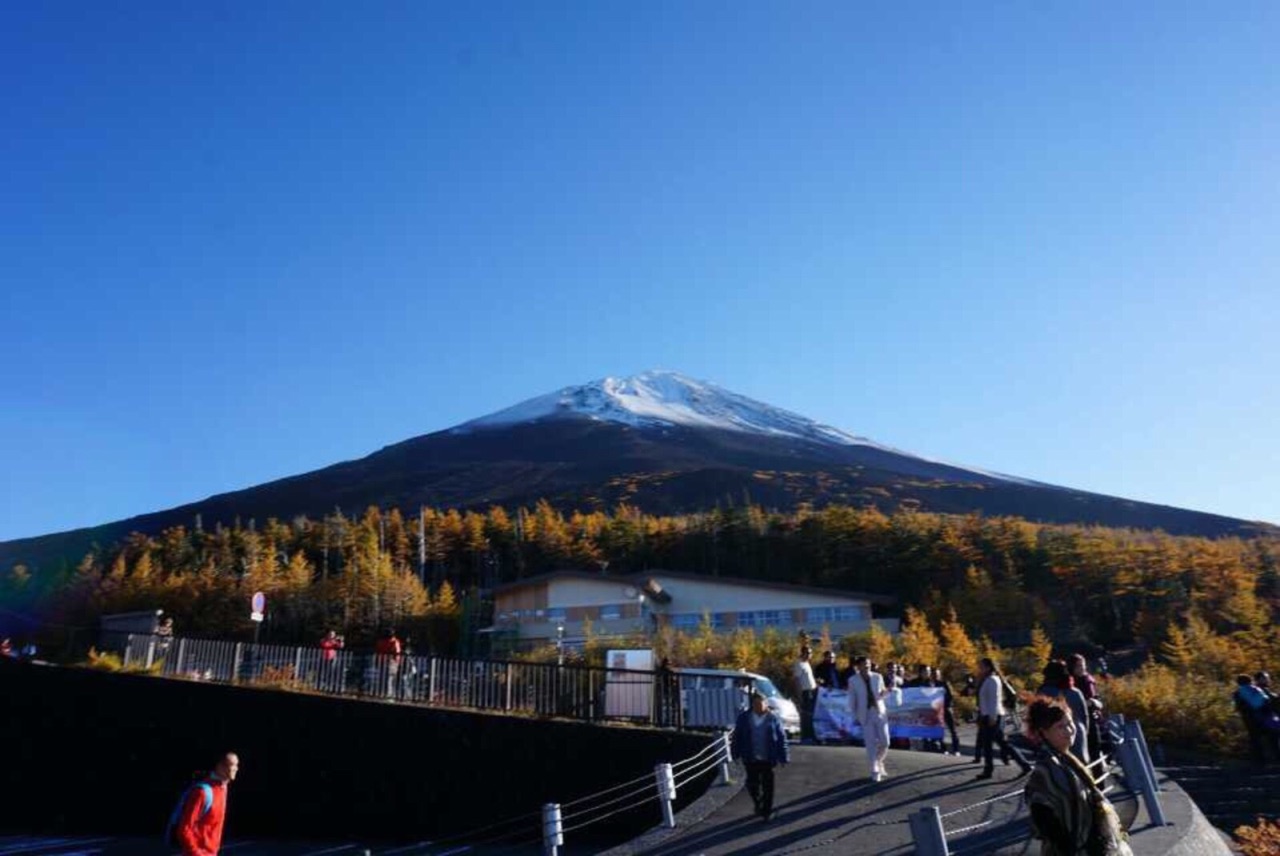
[240, 243]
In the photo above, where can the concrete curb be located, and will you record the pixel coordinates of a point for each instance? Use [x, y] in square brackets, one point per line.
[1189, 832]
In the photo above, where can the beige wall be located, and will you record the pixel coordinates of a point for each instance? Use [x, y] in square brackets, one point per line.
[582, 598]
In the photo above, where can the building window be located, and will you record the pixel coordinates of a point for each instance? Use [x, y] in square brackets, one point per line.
[765, 618]
[685, 620]
[833, 614]
[611, 612]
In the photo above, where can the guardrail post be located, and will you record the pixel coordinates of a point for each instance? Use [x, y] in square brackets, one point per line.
[236, 659]
[434, 665]
[1135, 726]
[181, 658]
[552, 829]
[151, 650]
[927, 832]
[1143, 775]
[128, 649]
[726, 750]
[666, 793]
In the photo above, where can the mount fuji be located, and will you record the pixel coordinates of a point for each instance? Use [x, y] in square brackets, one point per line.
[658, 440]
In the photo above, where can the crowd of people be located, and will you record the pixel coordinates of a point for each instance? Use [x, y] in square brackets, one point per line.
[1062, 723]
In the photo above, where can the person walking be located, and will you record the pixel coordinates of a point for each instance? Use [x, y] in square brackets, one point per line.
[991, 720]
[867, 692]
[196, 827]
[1069, 814]
[759, 742]
[807, 686]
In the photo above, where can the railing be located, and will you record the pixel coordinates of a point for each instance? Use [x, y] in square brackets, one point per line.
[554, 821]
[931, 835]
[587, 693]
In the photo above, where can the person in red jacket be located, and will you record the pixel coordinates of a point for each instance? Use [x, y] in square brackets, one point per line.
[199, 828]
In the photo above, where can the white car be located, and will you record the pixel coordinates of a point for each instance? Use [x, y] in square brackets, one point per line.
[712, 698]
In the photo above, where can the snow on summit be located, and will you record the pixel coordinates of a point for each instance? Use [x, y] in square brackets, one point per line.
[668, 398]
[663, 398]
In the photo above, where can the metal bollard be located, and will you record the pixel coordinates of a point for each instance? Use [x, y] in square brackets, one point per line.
[666, 793]
[927, 832]
[552, 829]
[727, 754]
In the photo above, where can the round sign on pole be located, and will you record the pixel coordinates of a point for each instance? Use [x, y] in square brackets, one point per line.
[259, 603]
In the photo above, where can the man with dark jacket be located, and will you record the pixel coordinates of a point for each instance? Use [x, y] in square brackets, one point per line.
[827, 674]
[759, 742]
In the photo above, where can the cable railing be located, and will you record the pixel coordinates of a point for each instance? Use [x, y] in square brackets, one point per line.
[554, 821]
[932, 837]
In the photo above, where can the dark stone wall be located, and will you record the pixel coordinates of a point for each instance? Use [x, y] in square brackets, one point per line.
[88, 751]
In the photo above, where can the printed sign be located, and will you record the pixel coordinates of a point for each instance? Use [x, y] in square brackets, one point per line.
[913, 712]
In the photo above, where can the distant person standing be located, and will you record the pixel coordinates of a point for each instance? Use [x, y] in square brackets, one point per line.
[669, 705]
[196, 827]
[1058, 684]
[1088, 687]
[1260, 719]
[991, 720]
[387, 651]
[807, 686]
[759, 742]
[330, 645]
[164, 636]
[867, 692]
[827, 674]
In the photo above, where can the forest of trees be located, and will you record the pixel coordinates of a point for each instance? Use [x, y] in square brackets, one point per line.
[1000, 575]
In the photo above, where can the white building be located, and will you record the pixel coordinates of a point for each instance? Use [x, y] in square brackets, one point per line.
[557, 605]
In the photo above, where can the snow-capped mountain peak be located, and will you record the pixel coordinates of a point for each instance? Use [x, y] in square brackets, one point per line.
[657, 398]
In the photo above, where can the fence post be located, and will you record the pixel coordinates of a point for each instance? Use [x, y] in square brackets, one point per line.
[1141, 739]
[181, 658]
[511, 676]
[1142, 774]
[666, 793]
[128, 649]
[151, 650]
[726, 750]
[552, 829]
[236, 658]
[297, 665]
[927, 832]
[432, 664]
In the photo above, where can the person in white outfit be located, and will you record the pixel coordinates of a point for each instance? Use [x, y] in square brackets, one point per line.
[867, 692]
[808, 688]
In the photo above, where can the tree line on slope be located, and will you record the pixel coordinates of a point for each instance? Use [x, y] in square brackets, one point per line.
[1001, 575]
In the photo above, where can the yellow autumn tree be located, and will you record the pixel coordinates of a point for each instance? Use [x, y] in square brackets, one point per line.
[919, 642]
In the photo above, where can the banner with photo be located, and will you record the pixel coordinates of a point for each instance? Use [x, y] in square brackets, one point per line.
[913, 712]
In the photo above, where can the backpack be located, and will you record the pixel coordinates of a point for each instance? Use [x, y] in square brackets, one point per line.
[169, 839]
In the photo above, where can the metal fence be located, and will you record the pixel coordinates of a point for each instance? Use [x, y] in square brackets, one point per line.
[534, 689]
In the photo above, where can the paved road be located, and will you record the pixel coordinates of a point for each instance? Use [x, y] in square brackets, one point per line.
[826, 804]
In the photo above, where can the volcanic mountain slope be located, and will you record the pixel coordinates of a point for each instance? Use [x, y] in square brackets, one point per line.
[658, 440]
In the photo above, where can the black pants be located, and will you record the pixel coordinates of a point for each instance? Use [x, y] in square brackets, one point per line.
[950, 718]
[990, 733]
[808, 701]
[760, 786]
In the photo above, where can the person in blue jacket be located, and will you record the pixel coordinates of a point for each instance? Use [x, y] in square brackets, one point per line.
[761, 745]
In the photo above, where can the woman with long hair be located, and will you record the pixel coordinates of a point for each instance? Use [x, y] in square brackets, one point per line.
[1069, 813]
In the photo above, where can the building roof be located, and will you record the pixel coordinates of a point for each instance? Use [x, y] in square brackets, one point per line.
[638, 579]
